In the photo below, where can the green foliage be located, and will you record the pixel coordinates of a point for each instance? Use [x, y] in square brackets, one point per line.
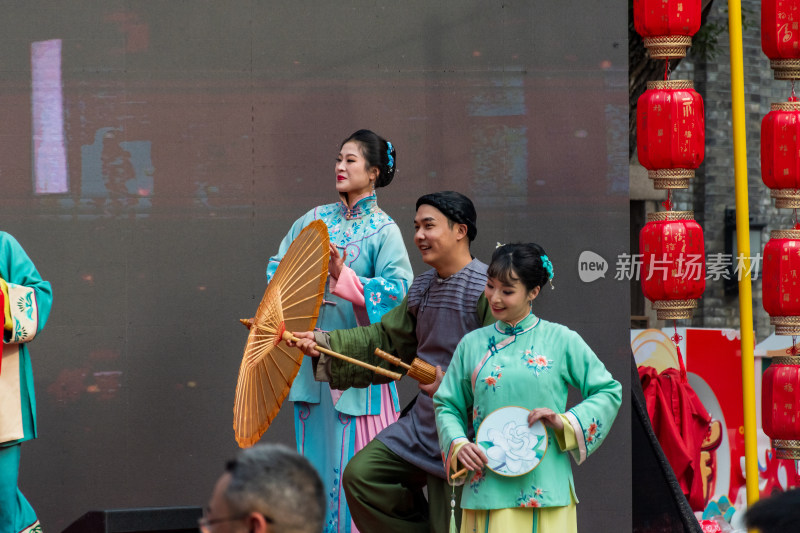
[705, 43]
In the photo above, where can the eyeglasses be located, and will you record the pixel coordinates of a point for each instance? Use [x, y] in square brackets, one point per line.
[204, 524]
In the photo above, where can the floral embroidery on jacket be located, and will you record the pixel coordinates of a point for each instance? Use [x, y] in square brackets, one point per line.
[383, 296]
[531, 498]
[477, 416]
[375, 298]
[477, 478]
[332, 524]
[536, 361]
[593, 433]
[493, 378]
[25, 305]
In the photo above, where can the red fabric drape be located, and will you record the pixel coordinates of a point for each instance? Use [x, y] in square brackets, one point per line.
[680, 421]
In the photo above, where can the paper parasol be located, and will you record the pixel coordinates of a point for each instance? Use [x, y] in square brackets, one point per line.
[290, 303]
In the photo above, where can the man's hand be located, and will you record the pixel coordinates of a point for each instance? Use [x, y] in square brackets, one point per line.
[305, 342]
[431, 388]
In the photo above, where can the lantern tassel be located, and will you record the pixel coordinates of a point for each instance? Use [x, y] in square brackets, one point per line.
[668, 202]
[453, 511]
[677, 339]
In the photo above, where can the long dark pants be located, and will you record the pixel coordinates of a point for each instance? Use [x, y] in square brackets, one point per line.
[384, 492]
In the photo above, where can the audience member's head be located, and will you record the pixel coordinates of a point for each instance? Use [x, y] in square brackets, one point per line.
[267, 489]
[779, 513]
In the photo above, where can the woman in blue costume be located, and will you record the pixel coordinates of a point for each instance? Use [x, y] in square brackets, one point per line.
[27, 299]
[369, 273]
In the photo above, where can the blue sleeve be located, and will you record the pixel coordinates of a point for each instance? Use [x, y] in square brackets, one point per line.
[17, 269]
[393, 275]
[294, 231]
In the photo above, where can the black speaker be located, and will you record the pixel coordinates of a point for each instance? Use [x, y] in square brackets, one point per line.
[144, 520]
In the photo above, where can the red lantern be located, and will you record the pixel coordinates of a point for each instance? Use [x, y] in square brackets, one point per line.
[780, 153]
[670, 132]
[780, 406]
[667, 26]
[780, 37]
[673, 263]
[780, 287]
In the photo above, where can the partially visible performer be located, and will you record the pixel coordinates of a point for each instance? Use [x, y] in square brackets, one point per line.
[27, 305]
[384, 482]
[369, 273]
[528, 362]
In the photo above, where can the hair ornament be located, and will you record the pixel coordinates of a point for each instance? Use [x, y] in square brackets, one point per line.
[499, 244]
[548, 266]
[389, 153]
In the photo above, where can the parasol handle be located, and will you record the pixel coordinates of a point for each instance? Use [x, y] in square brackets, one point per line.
[378, 370]
[391, 358]
[420, 370]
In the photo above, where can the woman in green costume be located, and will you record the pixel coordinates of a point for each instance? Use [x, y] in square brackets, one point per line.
[524, 361]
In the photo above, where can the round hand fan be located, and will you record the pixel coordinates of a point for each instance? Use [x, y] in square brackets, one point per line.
[513, 448]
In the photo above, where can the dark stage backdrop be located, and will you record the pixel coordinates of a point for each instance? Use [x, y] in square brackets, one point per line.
[153, 154]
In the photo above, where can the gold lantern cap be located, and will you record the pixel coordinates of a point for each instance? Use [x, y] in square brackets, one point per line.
[785, 106]
[670, 84]
[674, 309]
[667, 46]
[671, 178]
[785, 69]
[786, 449]
[786, 325]
[786, 198]
[662, 216]
[784, 234]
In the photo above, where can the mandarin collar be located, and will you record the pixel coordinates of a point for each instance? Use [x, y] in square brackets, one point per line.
[523, 325]
[363, 207]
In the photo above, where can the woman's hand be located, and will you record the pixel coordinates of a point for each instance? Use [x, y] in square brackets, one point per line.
[336, 263]
[305, 342]
[472, 457]
[548, 417]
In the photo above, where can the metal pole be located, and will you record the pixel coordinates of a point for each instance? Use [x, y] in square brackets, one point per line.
[743, 245]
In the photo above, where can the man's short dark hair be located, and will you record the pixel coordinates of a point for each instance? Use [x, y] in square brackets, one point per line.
[777, 514]
[456, 207]
[280, 484]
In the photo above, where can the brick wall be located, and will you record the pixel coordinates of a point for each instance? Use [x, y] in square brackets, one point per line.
[712, 190]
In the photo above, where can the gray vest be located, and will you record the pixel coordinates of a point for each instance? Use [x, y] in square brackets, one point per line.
[446, 310]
